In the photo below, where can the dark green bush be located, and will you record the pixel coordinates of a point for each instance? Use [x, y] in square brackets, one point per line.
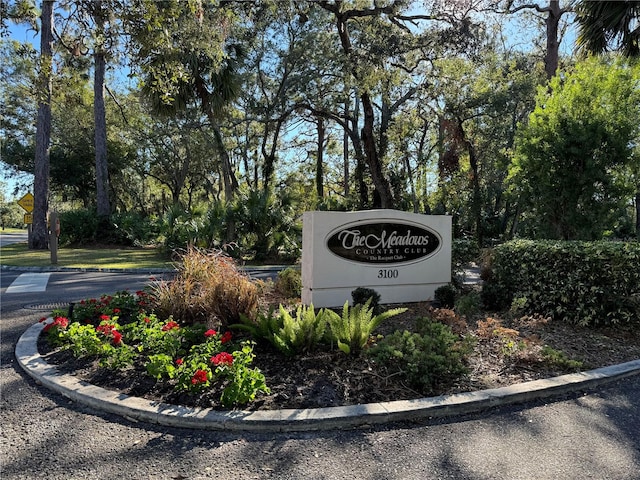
[445, 295]
[588, 283]
[78, 227]
[428, 359]
[362, 295]
[289, 282]
[84, 227]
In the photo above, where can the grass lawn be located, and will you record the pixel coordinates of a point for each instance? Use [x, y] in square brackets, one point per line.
[19, 255]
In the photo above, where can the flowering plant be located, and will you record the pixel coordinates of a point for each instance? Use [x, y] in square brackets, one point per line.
[192, 358]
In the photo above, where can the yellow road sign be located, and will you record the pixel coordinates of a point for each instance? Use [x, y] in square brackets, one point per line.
[26, 202]
[28, 218]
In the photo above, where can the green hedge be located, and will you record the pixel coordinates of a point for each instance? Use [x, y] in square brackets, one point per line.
[587, 283]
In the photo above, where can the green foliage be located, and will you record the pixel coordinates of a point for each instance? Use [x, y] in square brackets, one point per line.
[193, 357]
[78, 227]
[560, 359]
[463, 252]
[354, 327]
[82, 227]
[469, 304]
[266, 224]
[588, 283]
[289, 282]
[123, 303]
[263, 327]
[428, 359]
[445, 295]
[574, 164]
[243, 382]
[303, 332]
[362, 294]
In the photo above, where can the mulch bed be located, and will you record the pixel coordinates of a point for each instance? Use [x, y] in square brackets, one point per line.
[331, 378]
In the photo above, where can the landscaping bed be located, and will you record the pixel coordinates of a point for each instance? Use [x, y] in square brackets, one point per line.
[505, 352]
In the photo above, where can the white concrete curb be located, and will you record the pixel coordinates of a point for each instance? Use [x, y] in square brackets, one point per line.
[301, 419]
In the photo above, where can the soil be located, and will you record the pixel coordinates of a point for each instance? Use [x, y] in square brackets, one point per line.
[506, 351]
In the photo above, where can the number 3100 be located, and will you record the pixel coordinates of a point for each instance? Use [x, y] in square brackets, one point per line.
[388, 273]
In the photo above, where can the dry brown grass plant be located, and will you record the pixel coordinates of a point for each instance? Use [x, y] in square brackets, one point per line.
[208, 288]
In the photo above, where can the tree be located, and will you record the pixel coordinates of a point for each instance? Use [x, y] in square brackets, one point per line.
[571, 159]
[611, 25]
[376, 38]
[39, 239]
[182, 54]
[606, 25]
[553, 12]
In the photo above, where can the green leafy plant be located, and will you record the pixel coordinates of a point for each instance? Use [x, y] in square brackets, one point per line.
[361, 295]
[192, 356]
[560, 359]
[468, 305]
[262, 327]
[352, 329]
[433, 357]
[302, 332]
[587, 283]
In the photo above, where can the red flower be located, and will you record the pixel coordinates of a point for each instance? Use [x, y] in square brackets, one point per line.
[58, 322]
[179, 361]
[104, 317]
[117, 337]
[210, 333]
[116, 310]
[199, 377]
[226, 337]
[170, 325]
[106, 329]
[147, 320]
[223, 358]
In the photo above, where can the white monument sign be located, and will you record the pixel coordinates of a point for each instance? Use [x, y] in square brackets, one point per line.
[402, 256]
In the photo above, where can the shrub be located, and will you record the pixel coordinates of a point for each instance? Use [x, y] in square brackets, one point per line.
[208, 288]
[428, 359]
[468, 304]
[78, 227]
[352, 330]
[289, 282]
[587, 283]
[362, 295]
[445, 295]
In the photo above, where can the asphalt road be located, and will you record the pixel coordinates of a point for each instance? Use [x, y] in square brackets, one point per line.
[586, 435]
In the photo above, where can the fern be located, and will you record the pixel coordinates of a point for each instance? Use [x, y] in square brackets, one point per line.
[262, 328]
[301, 333]
[352, 330]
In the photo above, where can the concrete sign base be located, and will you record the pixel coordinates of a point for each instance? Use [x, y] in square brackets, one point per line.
[402, 256]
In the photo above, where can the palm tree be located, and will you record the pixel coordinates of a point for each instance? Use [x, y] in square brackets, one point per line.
[609, 25]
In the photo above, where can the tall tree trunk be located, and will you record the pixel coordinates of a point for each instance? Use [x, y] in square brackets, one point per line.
[320, 160]
[100, 120]
[553, 44]
[638, 213]
[374, 163]
[345, 150]
[39, 239]
[476, 206]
